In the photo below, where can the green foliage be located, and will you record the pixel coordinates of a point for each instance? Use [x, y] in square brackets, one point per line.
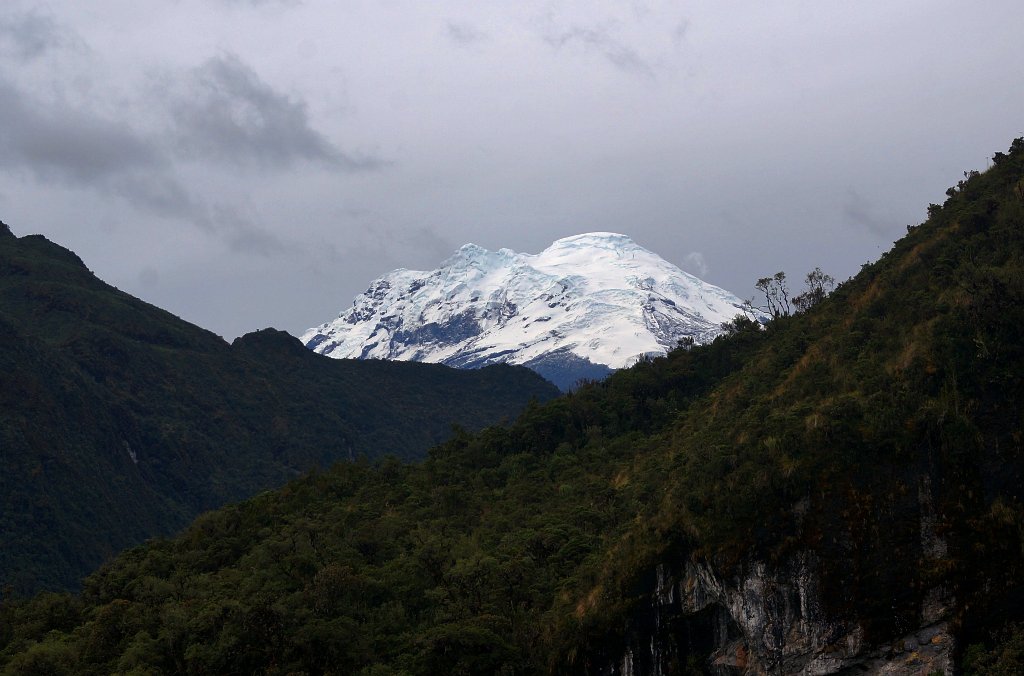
[819, 285]
[119, 421]
[527, 548]
[1006, 658]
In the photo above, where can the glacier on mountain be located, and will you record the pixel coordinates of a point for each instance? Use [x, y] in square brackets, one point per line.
[583, 307]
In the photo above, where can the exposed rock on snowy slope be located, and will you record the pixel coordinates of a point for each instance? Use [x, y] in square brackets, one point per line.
[586, 305]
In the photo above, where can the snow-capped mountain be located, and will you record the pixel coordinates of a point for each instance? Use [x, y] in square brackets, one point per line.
[581, 308]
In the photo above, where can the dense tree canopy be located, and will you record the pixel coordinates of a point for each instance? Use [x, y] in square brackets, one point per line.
[119, 421]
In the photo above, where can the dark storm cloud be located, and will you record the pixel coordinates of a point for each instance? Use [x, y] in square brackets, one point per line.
[29, 35]
[228, 114]
[464, 34]
[619, 54]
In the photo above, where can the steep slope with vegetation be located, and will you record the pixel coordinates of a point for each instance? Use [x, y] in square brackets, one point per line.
[119, 421]
[854, 469]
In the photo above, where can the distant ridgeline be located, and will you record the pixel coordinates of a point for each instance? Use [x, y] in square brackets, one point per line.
[119, 421]
[839, 492]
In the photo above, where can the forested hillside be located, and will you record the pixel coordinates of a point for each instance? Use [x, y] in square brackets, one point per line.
[119, 421]
[866, 452]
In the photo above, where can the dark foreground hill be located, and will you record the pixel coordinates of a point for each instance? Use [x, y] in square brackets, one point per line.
[119, 421]
[837, 493]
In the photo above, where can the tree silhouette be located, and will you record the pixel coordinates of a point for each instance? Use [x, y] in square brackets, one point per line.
[776, 294]
[819, 285]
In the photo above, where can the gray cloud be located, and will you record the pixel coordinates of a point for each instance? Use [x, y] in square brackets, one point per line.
[736, 135]
[464, 34]
[620, 55]
[79, 149]
[429, 242]
[680, 32]
[228, 114]
[258, 241]
[162, 195]
[158, 194]
[259, 3]
[29, 35]
[860, 211]
[416, 247]
[696, 264]
[71, 146]
[245, 237]
[149, 277]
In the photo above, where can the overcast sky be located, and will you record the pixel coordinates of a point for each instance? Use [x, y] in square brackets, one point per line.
[253, 163]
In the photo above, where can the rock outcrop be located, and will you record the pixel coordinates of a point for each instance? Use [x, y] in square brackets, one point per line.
[767, 620]
[776, 618]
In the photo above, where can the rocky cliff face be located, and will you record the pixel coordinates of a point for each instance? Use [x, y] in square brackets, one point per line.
[775, 618]
[769, 620]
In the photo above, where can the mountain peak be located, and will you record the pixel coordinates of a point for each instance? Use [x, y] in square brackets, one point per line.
[589, 240]
[606, 240]
[470, 249]
[478, 256]
[586, 305]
